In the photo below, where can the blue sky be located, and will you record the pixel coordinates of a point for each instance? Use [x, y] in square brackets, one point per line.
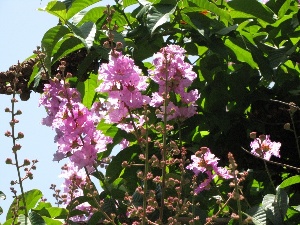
[22, 27]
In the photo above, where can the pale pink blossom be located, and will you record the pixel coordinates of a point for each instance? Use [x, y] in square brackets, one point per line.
[264, 147]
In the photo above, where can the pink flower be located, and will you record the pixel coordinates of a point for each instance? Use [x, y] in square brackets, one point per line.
[74, 180]
[124, 83]
[174, 76]
[264, 147]
[206, 162]
[75, 125]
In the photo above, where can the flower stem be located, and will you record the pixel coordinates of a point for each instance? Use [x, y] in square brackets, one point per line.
[15, 151]
[144, 220]
[295, 133]
[269, 175]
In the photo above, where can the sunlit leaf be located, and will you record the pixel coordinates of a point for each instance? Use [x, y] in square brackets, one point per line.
[290, 181]
[253, 8]
[79, 5]
[159, 15]
[58, 9]
[31, 198]
[207, 5]
[239, 50]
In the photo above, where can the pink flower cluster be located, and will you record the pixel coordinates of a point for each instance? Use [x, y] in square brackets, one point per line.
[206, 162]
[123, 81]
[76, 135]
[74, 182]
[174, 76]
[264, 147]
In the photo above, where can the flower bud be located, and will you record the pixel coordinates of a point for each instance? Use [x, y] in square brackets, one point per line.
[293, 107]
[253, 135]
[119, 45]
[20, 135]
[8, 161]
[7, 133]
[16, 147]
[287, 126]
[26, 162]
[262, 137]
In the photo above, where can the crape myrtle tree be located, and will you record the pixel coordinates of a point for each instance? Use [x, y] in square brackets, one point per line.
[200, 97]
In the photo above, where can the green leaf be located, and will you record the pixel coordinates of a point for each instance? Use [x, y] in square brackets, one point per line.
[79, 5]
[115, 169]
[207, 5]
[65, 47]
[127, 3]
[272, 209]
[238, 47]
[258, 215]
[50, 221]
[290, 181]
[33, 219]
[95, 218]
[57, 8]
[87, 90]
[86, 33]
[281, 55]
[56, 212]
[284, 8]
[2, 196]
[50, 39]
[94, 15]
[253, 8]
[283, 200]
[159, 15]
[31, 198]
[227, 30]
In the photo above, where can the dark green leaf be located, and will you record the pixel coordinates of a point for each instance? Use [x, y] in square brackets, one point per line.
[283, 200]
[115, 169]
[253, 8]
[227, 30]
[95, 218]
[50, 39]
[65, 47]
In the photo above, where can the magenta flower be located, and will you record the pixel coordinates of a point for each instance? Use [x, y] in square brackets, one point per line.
[264, 147]
[174, 75]
[74, 180]
[124, 83]
[75, 125]
[206, 162]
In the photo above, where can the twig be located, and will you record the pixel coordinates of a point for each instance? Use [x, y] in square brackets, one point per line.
[275, 163]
